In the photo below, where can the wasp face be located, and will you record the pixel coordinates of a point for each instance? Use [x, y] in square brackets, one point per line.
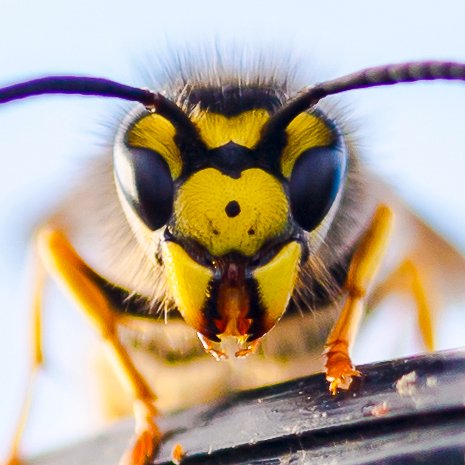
[232, 214]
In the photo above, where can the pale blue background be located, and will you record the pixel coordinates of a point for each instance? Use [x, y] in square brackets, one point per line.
[413, 136]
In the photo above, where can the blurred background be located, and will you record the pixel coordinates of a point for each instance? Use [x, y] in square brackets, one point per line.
[412, 136]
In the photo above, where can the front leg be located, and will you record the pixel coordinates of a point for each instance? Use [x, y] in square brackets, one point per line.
[362, 270]
[82, 283]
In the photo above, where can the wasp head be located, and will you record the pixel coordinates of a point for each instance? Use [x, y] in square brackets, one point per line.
[231, 208]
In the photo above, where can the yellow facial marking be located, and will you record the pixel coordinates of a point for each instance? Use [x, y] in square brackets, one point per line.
[157, 133]
[217, 130]
[200, 210]
[188, 282]
[304, 132]
[276, 281]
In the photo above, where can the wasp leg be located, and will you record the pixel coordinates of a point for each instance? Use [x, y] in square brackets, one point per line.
[362, 270]
[63, 263]
[37, 360]
[409, 278]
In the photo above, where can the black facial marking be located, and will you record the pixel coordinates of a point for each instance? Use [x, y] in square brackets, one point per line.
[232, 100]
[232, 209]
[231, 159]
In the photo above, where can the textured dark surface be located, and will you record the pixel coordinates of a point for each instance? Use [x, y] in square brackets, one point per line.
[408, 411]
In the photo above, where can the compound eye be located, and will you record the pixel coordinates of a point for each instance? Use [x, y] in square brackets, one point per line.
[145, 181]
[316, 179]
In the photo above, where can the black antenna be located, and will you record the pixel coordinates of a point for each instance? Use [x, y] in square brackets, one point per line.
[377, 76]
[76, 85]
[79, 85]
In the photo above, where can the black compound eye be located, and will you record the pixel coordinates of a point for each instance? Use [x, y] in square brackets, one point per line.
[145, 180]
[315, 181]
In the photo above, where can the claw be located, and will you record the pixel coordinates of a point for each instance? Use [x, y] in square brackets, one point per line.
[147, 437]
[177, 454]
[343, 381]
[143, 447]
[339, 371]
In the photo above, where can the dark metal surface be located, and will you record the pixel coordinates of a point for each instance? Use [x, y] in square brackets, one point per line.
[402, 412]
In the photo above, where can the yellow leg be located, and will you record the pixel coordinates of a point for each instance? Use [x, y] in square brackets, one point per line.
[409, 278]
[362, 270]
[36, 360]
[62, 262]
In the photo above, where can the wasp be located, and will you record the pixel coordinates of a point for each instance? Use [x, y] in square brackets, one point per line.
[237, 208]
